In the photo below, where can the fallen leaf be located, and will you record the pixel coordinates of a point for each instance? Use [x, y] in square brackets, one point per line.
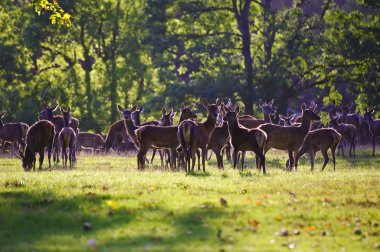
[253, 223]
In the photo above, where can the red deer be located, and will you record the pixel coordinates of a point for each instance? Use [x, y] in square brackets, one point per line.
[91, 141]
[348, 133]
[374, 126]
[267, 109]
[14, 133]
[195, 135]
[161, 137]
[136, 118]
[67, 139]
[47, 114]
[244, 139]
[323, 140]
[290, 138]
[39, 136]
[286, 120]
[117, 134]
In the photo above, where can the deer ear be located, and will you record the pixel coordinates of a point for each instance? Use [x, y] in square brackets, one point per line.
[191, 106]
[218, 102]
[303, 106]
[229, 102]
[313, 108]
[133, 108]
[270, 103]
[141, 109]
[2, 114]
[260, 103]
[163, 111]
[205, 103]
[171, 111]
[120, 108]
[182, 106]
[237, 109]
[173, 114]
[282, 117]
[68, 109]
[53, 107]
[61, 109]
[372, 111]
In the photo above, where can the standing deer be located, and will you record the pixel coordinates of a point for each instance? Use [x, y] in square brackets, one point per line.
[194, 135]
[67, 139]
[290, 138]
[374, 127]
[244, 139]
[268, 111]
[286, 120]
[136, 118]
[160, 137]
[39, 136]
[323, 140]
[14, 133]
[47, 113]
[117, 134]
[348, 132]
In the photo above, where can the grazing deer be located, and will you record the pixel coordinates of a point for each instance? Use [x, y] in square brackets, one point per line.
[323, 140]
[290, 138]
[39, 136]
[195, 135]
[14, 133]
[87, 140]
[47, 113]
[348, 132]
[374, 126]
[164, 137]
[67, 138]
[244, 139]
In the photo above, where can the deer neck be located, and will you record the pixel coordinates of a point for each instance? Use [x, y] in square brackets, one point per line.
[137, 121]
[209, 124]
[131, 127]
[1, 123]
[267, 118]
[344, 117]
[305, 126]
[233, 126]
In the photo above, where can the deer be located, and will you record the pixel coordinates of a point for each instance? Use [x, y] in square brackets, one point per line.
[374, 127]
[47, 113]
[39, 136]
[320, 140]
[90, 141]
[286, 120]
[268, 111]
[164, 137]
[195, 135]
[14, 133]
[290, 138]
[136, 118]
[67, 139]
[348, 132]
[244, 139]
[117, 134]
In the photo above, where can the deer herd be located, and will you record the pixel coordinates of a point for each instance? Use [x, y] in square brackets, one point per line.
[180, 145]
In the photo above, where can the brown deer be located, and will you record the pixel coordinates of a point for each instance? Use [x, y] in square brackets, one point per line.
[14, 133]
[244, 139]
[195, 135]
[268, 111]
[90, 141]
[47, 113]
[323, 140]
[136, 118]
[348, 132]
[39, 136]
[164, 137]
[117, 135]
[290, 138]
[286, 120]
[374, 127]
[67, 139]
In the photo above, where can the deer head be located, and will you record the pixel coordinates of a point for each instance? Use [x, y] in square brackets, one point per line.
[231, 114]
[127, 113]
[267, 108]
[309, 114]
[47, 112]
[368, 115]
[167, 118]
[66, 116]
[213, 109]
[27, 158]
[187, 112]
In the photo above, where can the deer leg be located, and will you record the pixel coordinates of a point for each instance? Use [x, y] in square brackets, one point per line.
[41, 158]
[291, 161]
[173, 159]
[373, 144]
[153, 154]
[325, 156]
[295, 160]
[161, 158]
[234, 156]
[312, 159]
[204, 154]
[341, 147]
[242, 159]
[333, 154]
[228, 152]
[219, 157]
[354, 144]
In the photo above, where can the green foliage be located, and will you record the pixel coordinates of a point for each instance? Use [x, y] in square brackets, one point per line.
[163, 53]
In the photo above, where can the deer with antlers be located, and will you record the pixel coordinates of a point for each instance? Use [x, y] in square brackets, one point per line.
[320, 140]
[290, 138]
[374, 127]
[47, 113]
[195, 135]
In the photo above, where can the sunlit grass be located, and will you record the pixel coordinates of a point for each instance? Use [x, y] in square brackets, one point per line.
[171, 211]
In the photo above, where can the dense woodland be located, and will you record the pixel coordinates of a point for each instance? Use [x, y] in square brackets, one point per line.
[165, 52]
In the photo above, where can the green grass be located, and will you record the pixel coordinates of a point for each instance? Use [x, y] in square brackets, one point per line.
[159, 210]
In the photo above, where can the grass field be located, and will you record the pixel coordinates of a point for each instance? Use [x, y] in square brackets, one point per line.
[155, 210]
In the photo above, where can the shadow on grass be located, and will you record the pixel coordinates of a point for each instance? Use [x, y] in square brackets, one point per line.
[198, 174]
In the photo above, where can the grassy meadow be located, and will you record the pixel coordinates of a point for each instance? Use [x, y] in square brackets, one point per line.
[105, 204]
